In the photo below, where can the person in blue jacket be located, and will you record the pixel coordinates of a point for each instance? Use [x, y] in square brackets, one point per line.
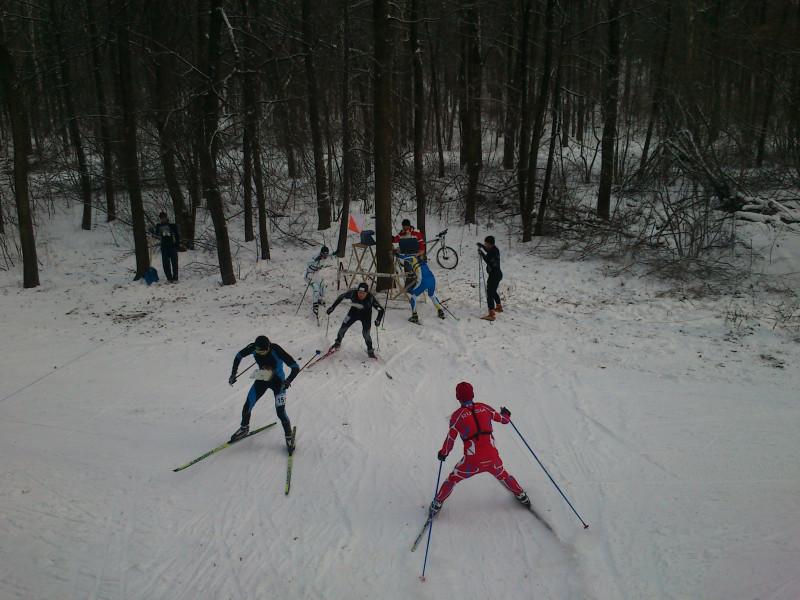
[423, 281]
[270, 359]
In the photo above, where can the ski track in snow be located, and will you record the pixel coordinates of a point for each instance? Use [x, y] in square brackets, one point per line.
[671, 430]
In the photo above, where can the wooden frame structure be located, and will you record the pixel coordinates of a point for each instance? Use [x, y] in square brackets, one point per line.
[363, 258]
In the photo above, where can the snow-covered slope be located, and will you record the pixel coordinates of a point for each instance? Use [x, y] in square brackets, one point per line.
[672, 430]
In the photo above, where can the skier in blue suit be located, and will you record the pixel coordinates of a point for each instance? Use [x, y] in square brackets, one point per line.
[270, 359]
[423, 281]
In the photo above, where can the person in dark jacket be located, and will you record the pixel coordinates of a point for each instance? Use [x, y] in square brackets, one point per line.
[362, 303]
[170, 239]
[270, 359]
[491, 255]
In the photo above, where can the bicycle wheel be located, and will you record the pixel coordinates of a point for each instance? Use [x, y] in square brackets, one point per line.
[447, 257]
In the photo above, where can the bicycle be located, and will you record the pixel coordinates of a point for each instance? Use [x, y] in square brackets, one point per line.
[445, 255]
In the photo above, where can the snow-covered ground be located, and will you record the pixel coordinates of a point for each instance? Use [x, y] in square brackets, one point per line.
[670, 423]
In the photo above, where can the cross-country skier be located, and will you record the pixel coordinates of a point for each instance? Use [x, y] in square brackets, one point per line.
[270, 359]
[491, 255]
[314, 278]
[362, 303]
[423, 281]
[473, 423]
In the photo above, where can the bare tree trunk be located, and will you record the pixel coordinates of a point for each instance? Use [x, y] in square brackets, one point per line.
[102, 112]
[658, 85]
[382, 114]
[437, 105]
[208, 151]
[129, 149]
[554, 135]
[474, 81]
[513, 90]
[525, 119]
[609, 112]
[419, 114]
[538, 121]
[323, 199]
[167, 142]
[347, 166]
[261, 198]
[72, 119]
[21, 135]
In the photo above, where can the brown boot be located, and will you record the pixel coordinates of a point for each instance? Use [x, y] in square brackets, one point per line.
[489, 317]
[498, 308]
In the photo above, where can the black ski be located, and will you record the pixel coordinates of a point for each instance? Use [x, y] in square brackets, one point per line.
[289, 463]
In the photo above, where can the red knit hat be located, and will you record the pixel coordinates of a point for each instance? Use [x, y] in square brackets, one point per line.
[464, 392]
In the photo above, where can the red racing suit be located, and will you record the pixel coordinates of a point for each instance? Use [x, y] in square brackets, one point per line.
[473, 423]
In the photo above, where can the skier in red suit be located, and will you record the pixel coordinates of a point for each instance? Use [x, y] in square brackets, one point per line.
[473, 423]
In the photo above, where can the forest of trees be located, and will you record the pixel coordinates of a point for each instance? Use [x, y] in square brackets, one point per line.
[492, 107]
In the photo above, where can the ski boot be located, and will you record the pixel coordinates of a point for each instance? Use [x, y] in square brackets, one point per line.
[371, 353]
[440, 314]
[414, 318]
[315, 308]
[498, 308]
[240, 433]
[290, 444]
[436, 506]
[489, 317]
[523, 497]
[336, 346]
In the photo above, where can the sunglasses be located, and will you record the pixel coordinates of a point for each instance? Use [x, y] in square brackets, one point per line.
[261, 351]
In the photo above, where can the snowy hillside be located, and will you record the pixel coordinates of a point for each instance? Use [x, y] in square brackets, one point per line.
[670, 423]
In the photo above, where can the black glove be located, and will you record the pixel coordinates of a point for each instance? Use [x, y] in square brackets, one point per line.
[441, 456]
[479, 245]
[329, 311]
[232, 379]
[286, 385]
[377, 322]
[505, 412]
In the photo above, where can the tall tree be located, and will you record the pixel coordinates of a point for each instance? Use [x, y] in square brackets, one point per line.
[610, 107]
[471, 131]
[419, 113]
[129, 150]
[21, 136]
[382, 111]
[323, 199]
[65, 80]
[208, 151]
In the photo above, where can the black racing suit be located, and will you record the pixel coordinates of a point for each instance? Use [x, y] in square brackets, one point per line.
[360, 310]
[492, 258]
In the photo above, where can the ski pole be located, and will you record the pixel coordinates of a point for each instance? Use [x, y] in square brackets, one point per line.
[327, 325]
[316, 354]
[585, 526]
[301, 299]
[448, 310]
[430, 516]
[480, 288]
[246, 370]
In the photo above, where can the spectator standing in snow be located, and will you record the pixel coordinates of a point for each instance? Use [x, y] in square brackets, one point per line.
[270, 359]
[422, 281]
[491, 255]
[170, 239]
[410, 232]
[473, 423]
[362, 303]
[314, 278]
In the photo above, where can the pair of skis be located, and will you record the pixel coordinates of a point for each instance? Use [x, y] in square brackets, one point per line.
[428, 523]
[252, 433]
